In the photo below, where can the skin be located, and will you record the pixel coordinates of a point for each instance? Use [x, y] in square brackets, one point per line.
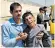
[45, 9]
[41, 11]
[30, 21]
[17, 14]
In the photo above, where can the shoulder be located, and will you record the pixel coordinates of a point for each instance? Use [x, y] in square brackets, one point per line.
[38, 14]
[23, 26]
[41, 26]
[5, 24]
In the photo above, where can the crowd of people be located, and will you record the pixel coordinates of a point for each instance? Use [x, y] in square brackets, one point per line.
[43, 16]
[17, 32]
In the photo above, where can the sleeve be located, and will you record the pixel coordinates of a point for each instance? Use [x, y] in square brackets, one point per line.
[38, 19]
[47, 37]
[6, 41]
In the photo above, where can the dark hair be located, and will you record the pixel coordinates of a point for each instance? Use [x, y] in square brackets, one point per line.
[25, 15]
[44, 7]
[12, 6]
[41, 8]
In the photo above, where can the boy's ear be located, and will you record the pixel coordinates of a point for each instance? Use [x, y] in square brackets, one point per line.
[34, 18]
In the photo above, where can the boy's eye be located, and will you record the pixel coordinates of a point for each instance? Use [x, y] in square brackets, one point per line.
[26, 19]
[29, 17]
[19, 10]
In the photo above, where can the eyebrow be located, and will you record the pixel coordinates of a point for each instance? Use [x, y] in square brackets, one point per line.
[18, 10]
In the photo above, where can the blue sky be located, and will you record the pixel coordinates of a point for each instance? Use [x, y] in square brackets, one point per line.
[42, 2]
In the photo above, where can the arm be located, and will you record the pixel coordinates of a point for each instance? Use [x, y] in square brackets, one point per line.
[38, 19]
[6, 40]
[47, 37]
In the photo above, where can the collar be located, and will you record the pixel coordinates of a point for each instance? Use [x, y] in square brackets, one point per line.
[11, 20]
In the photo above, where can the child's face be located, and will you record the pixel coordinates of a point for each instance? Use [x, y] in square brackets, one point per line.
[29, 20]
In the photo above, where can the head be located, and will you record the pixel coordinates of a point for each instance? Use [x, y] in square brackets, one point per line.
[41, 10]
[16, 10]
[45, 8]
[28, 18]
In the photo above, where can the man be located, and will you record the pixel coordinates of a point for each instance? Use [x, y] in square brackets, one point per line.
[40, 16]
[46, 16]
[37, 35]
[11, 29]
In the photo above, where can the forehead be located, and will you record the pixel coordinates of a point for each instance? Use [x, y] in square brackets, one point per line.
[17, 8]
[29, 16]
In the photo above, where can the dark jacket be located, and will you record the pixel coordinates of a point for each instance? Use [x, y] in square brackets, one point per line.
[39, 19]
[46, 40]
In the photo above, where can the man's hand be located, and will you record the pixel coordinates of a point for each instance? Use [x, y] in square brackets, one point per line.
[23, 35]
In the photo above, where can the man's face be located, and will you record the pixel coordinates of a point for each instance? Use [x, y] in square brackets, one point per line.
[17, 12]
[45, 9]
[29, 20]
[42, 11]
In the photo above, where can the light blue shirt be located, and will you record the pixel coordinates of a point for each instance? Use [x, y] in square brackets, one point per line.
[10, 31]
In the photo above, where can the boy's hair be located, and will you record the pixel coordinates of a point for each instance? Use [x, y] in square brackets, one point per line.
[13, 5]
[25, 15]
[41, 8]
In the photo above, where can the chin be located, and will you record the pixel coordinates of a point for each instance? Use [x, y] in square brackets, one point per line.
[30, 25]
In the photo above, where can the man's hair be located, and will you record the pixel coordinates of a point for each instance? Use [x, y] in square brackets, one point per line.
[25, 15]
[13, 5]
[41, 8]
[44, 7]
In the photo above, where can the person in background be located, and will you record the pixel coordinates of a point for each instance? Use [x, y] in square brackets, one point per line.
[46, 16]
[40, 16]
[12, 29]
[37, 35]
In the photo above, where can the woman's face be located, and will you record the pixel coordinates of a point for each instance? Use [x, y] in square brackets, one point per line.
[29, 20]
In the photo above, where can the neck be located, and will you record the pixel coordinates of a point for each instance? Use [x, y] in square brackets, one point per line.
[17, 21]
[33, 26]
